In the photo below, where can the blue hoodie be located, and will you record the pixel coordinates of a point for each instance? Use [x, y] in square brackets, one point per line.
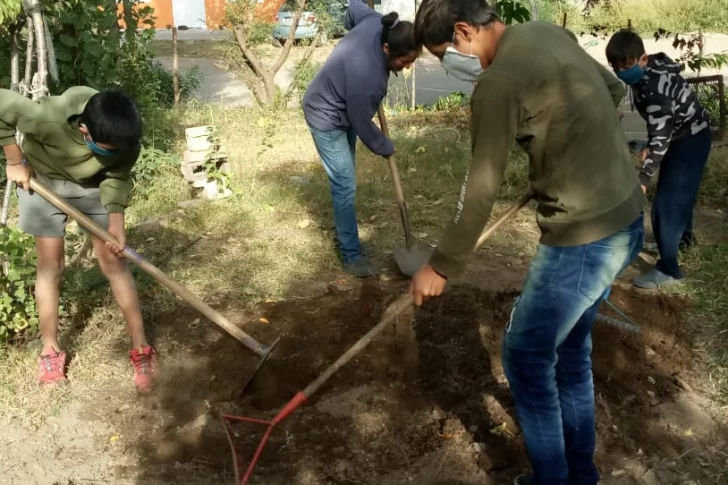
[347, 91]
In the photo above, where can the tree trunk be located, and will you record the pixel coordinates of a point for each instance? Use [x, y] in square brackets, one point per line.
[14, 57]
[29, 53]
[534, 10]
[129, 21]
[114, 30]
[40, 86]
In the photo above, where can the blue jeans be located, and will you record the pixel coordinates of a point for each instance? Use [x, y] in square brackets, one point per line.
[677, 190]
[337, 149]
[547, 352]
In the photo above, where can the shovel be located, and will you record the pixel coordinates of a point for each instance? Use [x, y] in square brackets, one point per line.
[263, 351]
[409, 259]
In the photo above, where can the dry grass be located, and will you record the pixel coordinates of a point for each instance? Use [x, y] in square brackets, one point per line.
[276, 235]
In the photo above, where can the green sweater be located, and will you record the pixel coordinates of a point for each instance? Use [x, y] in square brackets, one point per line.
[54, 147]
[546, 92]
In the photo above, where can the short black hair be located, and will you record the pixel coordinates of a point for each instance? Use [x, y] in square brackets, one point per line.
[435, 20]
[398, 34]
[113, 118]
[623, 46]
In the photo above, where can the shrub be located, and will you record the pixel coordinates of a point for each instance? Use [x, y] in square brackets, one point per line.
[17, 303]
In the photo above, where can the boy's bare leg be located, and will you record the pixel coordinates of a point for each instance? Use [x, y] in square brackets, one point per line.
[122, 284]
[50, 264]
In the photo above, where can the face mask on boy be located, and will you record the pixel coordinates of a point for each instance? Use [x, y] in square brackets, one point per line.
[465, 67]
[632, 75]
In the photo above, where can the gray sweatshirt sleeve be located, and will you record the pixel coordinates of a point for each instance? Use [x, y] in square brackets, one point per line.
[357, 11]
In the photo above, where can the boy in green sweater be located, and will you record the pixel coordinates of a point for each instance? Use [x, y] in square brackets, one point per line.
[82, 146]
[536, 86]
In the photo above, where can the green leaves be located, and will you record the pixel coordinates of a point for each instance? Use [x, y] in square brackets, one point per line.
[17, 304]
[513, 11]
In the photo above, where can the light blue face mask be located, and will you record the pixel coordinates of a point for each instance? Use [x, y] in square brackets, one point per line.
[465, 67]
[632, 75]
[97, 149]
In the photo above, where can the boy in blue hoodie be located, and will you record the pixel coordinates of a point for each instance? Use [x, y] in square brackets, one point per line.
[340, 103]
[679, 141]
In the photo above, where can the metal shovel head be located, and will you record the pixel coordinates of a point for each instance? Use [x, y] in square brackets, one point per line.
[262, 361]
[411, 260]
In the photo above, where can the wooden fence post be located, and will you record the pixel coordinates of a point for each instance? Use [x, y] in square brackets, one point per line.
[175, 67]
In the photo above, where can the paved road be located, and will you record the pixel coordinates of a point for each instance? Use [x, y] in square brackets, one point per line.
[432, 81]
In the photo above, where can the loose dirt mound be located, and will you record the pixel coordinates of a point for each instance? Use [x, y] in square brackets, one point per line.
[426, 403]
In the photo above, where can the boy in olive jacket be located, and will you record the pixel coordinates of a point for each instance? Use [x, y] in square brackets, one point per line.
[82, 146]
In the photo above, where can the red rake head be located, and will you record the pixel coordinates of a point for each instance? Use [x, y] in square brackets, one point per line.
[227, 419]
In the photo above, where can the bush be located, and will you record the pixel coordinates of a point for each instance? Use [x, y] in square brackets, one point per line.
[190, 81]
[674, 15]
[305, 72]
[17, 303]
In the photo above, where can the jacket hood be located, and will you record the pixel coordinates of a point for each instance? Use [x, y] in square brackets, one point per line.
[660, 62]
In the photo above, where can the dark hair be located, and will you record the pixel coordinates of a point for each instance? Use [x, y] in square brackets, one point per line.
[398, 35]
[112, 118]
[623, 46]
[436, 19]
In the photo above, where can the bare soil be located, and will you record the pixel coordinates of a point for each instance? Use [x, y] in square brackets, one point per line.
[427, 403]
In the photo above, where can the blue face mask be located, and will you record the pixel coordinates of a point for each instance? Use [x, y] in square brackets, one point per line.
[99, 150]
[632, 75]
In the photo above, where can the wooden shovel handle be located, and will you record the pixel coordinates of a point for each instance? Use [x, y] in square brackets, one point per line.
[150, 269]
[398, 191]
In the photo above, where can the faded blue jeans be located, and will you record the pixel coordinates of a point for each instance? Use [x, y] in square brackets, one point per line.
[547, 352]
[337, 149]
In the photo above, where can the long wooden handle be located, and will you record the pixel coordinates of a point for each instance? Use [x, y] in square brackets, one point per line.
[398, 191]
[150, 269]
[398, 308]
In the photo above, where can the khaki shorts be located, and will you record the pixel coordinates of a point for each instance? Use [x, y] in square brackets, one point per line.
[40, 218]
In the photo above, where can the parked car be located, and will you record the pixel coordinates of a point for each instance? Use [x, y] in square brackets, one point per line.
[309, 24]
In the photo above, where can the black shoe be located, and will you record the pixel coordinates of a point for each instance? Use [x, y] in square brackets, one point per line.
[361, 268]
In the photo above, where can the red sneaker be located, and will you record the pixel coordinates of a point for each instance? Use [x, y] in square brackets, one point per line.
[52, 369]
[144, 361]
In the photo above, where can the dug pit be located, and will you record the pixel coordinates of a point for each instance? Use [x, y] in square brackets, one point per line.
[426, 403]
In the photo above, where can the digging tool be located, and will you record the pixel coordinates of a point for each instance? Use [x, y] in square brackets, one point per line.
[409, 259]
[263, 351]
[394, 311]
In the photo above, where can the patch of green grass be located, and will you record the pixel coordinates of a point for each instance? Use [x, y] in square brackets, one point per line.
[707, 286]
[714, 187]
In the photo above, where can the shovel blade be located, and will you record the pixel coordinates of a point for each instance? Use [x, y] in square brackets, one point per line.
[409, 261]
[262, 361]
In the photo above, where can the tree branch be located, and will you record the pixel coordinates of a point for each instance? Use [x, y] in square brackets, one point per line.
[248, 53]
[29, 53]
[291, 37]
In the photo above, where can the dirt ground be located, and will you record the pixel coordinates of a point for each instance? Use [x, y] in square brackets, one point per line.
[427, 403]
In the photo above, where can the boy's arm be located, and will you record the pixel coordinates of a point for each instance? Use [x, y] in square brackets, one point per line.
[116, 186]
[361, 103]
[659, 133]
[615, 86]
[357, 11]
[494, 124]
[16, 112]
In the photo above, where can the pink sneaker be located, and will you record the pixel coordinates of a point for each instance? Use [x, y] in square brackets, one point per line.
[144, 361]
[52, 369]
